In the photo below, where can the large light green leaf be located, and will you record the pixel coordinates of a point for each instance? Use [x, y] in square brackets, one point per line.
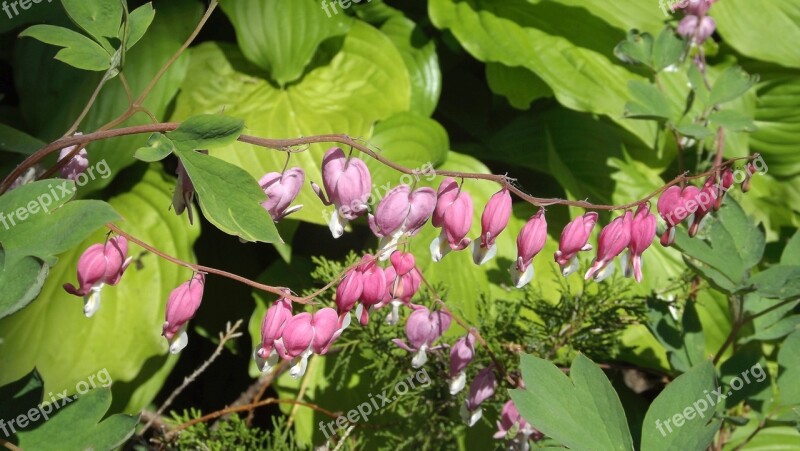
[583, 410]
[519, 85]
[333, 98]
[422, 62]
[789, 360]
[685, 399]
[52, 333]
[626, 14]
[42, 81]
[778, 122]
[765, 29]
[550, 40]
[281, 36]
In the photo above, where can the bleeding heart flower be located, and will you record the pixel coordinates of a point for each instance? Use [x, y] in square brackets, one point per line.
[182, 305]
[348, 184]
[453, 213]
[305, 334]
[374, 287]
[402, 283]
[574, 238]
[674, 206]
[493, 220]
[281, 190]
[76, 165]
[515, 428]
[613, 239]
[99, 265]
[530, 241]
[461, 354]
[643, 231]
[271, 330]
[401, 212]
[422, 329]
[481, 389]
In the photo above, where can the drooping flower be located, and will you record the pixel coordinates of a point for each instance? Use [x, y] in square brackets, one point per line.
[453, 213]
[402, 211]
[461, 354]
[613, 239]
[347, 182]
[76, 165]
[643, 231]
[724, 184]
[481, 389]
[349, 290]
[402, 283]
[305, 334]
[574, 238]
[272, 326]
[374, 288]
[696, 25]
[422, 329]
[182, 305]
[674, 206]
[513, 427]
[750, 169]
[493, 220]
[281, 190]
[530, 241]
[99, 265]
[706, 200]
[183, 197]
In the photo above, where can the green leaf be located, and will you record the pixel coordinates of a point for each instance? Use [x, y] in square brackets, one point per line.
[681, 416]
[698, 85]
[81, 425]
[584, 411]
[78, 50]
[791, 253]
[367, 61]
[419, 54]
[139, 21]
[229, 197]
[18, 396]
[732, 120]
[13, 140]
[732, 84]
[636, 48]
[536, 36]
[519, 85]
[778, 121]
[282, 37]
[206, 131]
[789, 361]
[124, 336]
[765, 30]
[99, 18]
[158, 148]
[21, 283]
[667, 50]
[649, 102]
[780, 281]
[40, 223]
[693, 339]
[745, 377]
[695, 131]
[42, 81]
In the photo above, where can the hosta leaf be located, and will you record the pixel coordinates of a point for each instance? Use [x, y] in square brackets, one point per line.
[519, 85]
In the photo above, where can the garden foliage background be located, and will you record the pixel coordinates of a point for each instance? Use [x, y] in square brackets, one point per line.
[530, 88]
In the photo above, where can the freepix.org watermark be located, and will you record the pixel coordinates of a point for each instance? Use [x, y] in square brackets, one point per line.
[23, 4]
[701, 406]
[57, 191]
[364, 410]
[330, 5]
[57, 401]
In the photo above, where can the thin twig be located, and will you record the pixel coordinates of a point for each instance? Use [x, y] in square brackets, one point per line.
[230, 334]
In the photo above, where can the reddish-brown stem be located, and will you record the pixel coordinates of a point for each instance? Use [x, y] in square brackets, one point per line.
[280, 291]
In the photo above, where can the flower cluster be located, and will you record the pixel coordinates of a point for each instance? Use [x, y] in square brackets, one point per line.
[696, 24]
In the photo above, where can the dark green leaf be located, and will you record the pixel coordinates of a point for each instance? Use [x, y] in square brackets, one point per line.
[19, 142]
[695, 131]
[229, 197]
[139, 21]
[206, 131]
[81, 425]
[79, 51]
[732, 120]
[19, 396]
[158, 148]
[584, 411]
[519, 85]
[781, 281]
[681, 416]
[99, 18]
[693, 337]
[789, 373]
[21, 283]
[732, 84]
[791, 253]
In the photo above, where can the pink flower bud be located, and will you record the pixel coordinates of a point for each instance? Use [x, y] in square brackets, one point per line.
[182, 305]
[304, 334]
[327, 328]
[401, 212]
[613, 239]
[461, 354]
[706, 199]
[402, 283]
[453, 213]
[574, 238]
[76, 165]
[493, 220]
[422, 329]
[271, 329]
[348, 184]
[750, 169]
[511, 420]
[298, 333]
[723, 185]
[674, 206]
[349, 290]
[643, 230]
[281, 190]
[99, 265]
[374, 287]
[481, 389]
[530, 241]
